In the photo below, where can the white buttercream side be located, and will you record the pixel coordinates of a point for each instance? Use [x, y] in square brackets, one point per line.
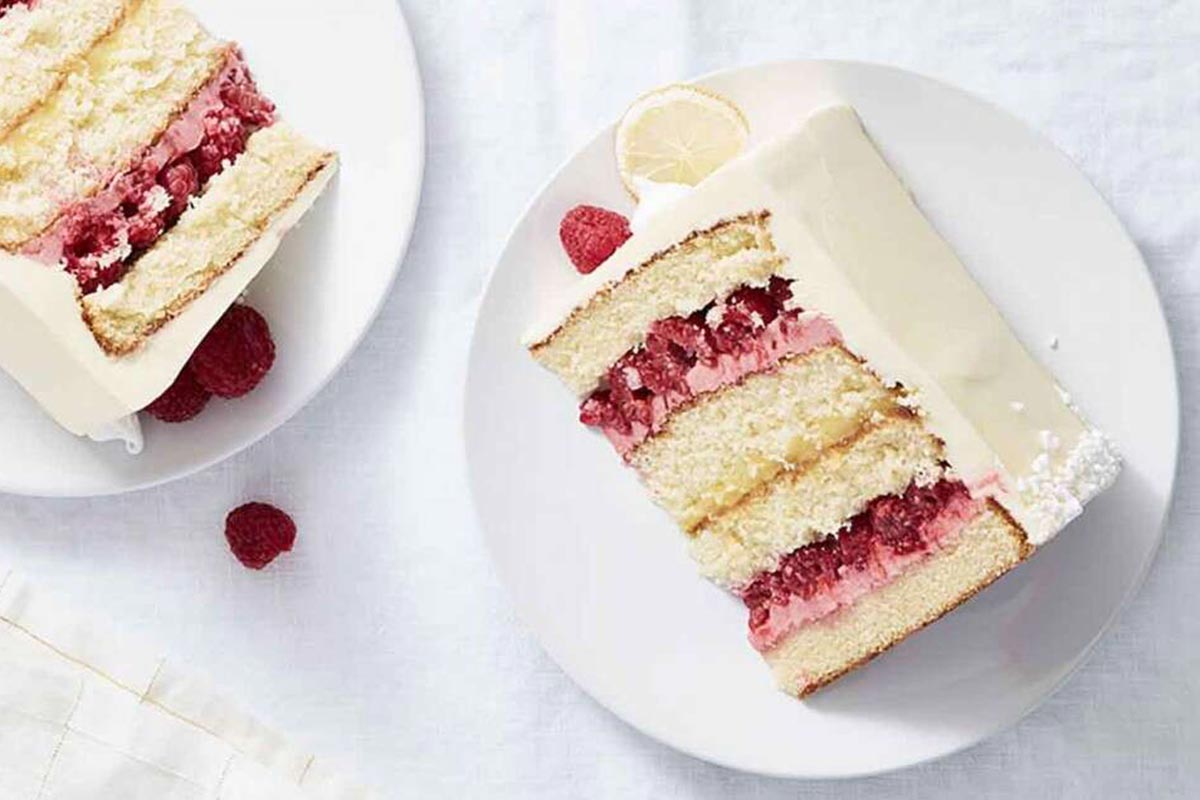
[654, 198]
[861, 252]
[46, 346]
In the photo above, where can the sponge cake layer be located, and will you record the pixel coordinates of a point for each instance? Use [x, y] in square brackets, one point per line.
[238, 205]
[711, 454]
[40, 44]
[814, 500]
[111, 105]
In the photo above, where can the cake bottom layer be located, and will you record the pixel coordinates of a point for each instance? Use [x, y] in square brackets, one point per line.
[822, 651]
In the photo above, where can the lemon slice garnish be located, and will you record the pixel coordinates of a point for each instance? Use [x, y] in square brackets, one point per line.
[678, 134]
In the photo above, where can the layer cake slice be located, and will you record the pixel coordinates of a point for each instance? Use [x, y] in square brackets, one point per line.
[145, 180]
[812, 385]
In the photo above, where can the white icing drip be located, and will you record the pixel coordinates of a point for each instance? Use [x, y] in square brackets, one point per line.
[127, 429]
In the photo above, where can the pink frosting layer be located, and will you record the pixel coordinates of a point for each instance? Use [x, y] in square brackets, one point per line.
[938, 534]
[787, 335]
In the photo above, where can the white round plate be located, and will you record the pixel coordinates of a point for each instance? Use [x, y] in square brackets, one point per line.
[357, 91]
[602, 576]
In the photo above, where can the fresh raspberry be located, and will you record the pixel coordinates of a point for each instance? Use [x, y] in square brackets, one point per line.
[732, 336]
[144, 229]
[258, 533]
[251, 107]
[87, 242]
[600, 412]
[224, 140]
[780, 290]
[857, 541]
[134, 186]
[627, 393]
[590, 235]
[183, 399]
[236, 353]
[752, 307]
[241, 94]
[685, 334]
[660, 370]
[181, 180]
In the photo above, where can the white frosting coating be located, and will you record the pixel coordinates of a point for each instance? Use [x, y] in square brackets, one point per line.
[654, 197]
[861, 252]
[46, 346]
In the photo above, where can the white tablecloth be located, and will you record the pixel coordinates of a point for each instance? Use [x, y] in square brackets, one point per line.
[385, 640]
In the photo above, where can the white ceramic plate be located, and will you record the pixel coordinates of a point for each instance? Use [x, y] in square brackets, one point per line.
[345, 74]
[602, 576]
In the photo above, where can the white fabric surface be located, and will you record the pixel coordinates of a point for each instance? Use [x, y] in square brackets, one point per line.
[87, 712]
[385, 640]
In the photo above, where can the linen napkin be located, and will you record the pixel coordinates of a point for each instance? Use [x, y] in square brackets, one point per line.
[88, 714]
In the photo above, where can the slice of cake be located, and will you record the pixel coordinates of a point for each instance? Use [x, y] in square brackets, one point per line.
[812, 385]
[144, 182]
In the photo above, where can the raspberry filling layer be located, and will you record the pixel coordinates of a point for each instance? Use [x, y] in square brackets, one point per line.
[96, 240]
[750, 331]
[890, 536]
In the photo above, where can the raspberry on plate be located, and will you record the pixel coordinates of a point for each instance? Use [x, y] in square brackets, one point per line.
[236, 354]
[591, 234]
[183, 399]
[258, 533]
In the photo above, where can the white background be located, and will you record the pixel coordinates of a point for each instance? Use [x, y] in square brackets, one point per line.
[385, 641]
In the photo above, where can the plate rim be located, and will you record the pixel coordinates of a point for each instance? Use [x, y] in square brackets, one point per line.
[1084, 653]
[404, 236]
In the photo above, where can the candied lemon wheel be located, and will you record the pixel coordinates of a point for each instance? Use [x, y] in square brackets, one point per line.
[678, 134]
